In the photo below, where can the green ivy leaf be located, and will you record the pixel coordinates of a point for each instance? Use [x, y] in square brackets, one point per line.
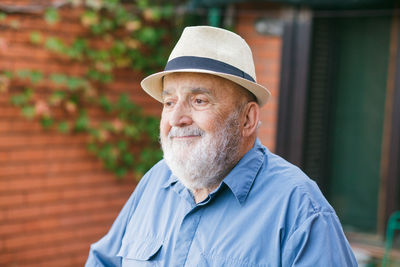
[148, 157]
[104, 152]
[55, 44]
[120, 172]
[3, 16]
[105, 103]
[77, 49]
[122, 145]
[131, 131]
[28, 93]
[51, 16]
[74, 54]
[94, 74]
[46, 121]
[102, 27]
[124, 102]
[18, 100]
[82, 122]
[122, 15]
[106, 24]
[35, 76]
[167, 11]
[23, 73]
[109, 157]
[63, 127]
[94, 133]
[157, 13]
[148, 35]
[105, 66]
[59, 78]
[142, 4]
[56, 98]
[90, 18]
[8, 74]
[106, 126]
[80, 44]
[127, 159]
[92, 147]
[28, 111]
[36, 38]
[118, 48]
[106, 78]
[98, 55]
[151, 126]
[111, 5]
[22, 99]
[74, 82]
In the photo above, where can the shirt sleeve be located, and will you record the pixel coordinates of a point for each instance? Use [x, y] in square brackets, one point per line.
[318, 241]
[103, 252]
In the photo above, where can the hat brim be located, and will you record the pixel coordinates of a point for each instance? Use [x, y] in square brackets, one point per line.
[153, 84]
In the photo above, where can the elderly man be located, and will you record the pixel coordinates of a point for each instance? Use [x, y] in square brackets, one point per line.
[219, 197]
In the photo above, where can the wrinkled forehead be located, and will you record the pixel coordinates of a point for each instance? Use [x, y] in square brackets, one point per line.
[202, 83]
[194, 90]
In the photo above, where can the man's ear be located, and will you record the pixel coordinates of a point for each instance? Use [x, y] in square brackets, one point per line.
[251, 117]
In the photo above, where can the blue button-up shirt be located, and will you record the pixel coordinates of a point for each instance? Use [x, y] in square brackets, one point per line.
[266, 212]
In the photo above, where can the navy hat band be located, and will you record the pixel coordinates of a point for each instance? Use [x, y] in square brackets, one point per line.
[190, 62]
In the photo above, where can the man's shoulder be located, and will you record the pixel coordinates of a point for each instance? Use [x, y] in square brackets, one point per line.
[289, 184]
[284, 190]
[156, 177]
[160, 168]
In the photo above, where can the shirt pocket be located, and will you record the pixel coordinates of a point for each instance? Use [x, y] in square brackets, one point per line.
[140, 252]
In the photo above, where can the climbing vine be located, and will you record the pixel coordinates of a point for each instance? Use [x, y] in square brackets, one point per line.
[118, 36]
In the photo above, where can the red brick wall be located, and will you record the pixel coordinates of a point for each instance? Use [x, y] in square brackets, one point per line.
[267, 57]
[55, 197]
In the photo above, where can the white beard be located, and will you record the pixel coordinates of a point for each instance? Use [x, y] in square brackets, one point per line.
[203, 163]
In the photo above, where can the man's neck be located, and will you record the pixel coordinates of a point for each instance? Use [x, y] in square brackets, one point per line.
[201, 194]
[248, 144]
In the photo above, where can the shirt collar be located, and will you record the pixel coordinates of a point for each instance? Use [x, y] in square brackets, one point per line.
[242, 176]
[171, 180]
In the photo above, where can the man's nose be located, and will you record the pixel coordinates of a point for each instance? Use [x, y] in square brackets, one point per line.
[181, 115]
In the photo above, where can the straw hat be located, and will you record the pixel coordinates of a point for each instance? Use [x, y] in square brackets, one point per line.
[205, 49]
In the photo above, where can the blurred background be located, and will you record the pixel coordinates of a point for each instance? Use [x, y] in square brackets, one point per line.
[77, 132]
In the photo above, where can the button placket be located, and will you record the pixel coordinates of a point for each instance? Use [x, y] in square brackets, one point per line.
[186, 235]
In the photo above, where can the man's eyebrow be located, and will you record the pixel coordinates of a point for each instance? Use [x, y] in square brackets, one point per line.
[196, 90]
[200, 90]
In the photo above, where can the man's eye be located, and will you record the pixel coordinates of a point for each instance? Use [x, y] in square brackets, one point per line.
[199, 101]
[168, 103]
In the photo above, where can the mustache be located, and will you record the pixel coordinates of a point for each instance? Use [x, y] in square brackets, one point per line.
[185, 131]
